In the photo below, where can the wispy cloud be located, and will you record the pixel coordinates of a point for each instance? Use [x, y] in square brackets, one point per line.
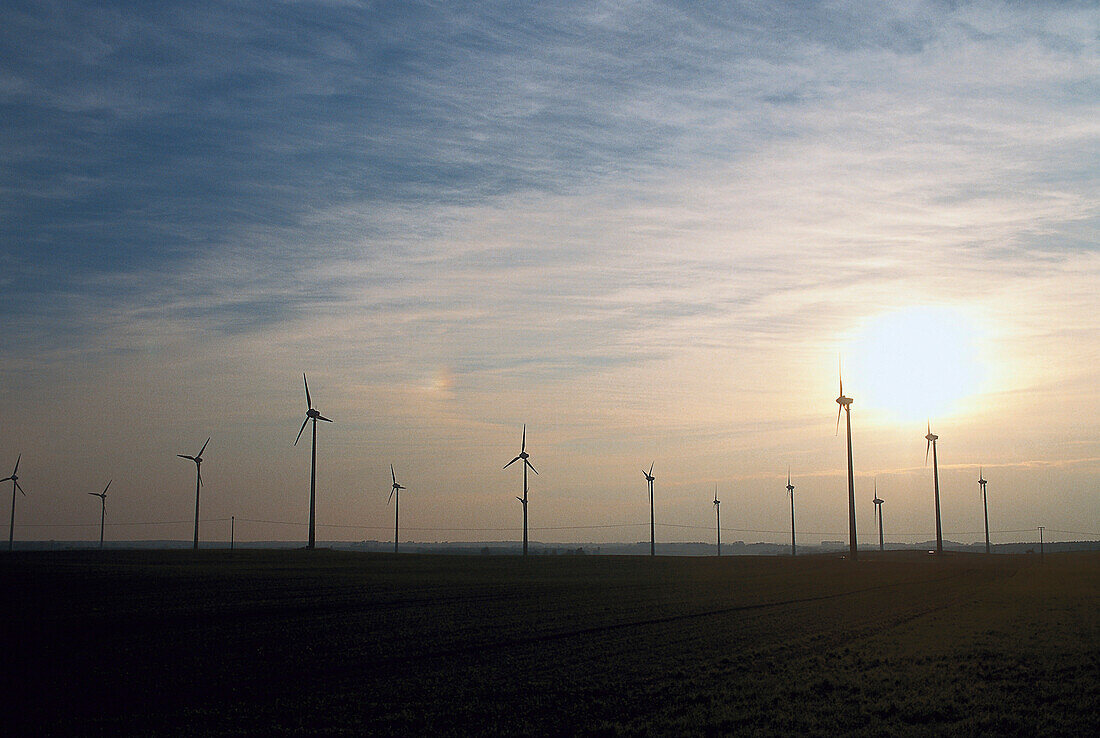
[658, 219]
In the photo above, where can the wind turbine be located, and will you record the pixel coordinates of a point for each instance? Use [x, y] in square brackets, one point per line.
[524, 456]
[15, 485]
[197, 458]
[652, 535]
[878, 514]
[845, 404]
[314, 415]
[790, 493]
[718, 518]
[985, 504]
[103, 509]
[396, 491]
[932, 438]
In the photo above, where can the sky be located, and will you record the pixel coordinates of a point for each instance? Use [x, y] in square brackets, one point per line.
[648, 231]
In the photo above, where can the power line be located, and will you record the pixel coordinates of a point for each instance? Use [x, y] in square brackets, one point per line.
[96, 525]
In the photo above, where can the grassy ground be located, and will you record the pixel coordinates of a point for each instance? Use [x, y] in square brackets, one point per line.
[295, 642]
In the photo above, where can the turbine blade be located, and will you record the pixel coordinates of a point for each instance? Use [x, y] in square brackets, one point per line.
[94, 494]
[322, 417]
[392, 474]
[390, 498]
[651, 468]
[926, 450]
[309, 402]
[301, 429]
[839, 409]
[20, 488]
[107, 487]
[198, 470]
[5, 479]
[203, 448]
[520, 499]
[16, 469]
[184, 456]
[532, 466]
[510, 463]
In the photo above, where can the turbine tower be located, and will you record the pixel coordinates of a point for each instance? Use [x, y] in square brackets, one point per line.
[15, 485]
[197, 458]
[524, 456]
[718, 518]
[395, 492]
[878, 514]
[845, 405]
[314, 415]
[790, 493]
[985, 504]
[652, 535]
[102, 510]
[932, 438]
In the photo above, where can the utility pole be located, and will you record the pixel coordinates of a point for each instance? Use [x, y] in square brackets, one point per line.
[1041, 542]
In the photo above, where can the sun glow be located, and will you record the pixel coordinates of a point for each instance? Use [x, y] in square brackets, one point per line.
[915, 363]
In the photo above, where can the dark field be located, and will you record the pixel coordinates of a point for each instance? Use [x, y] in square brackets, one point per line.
[261, 642]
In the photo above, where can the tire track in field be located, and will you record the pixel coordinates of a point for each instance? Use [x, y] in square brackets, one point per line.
[499, 645]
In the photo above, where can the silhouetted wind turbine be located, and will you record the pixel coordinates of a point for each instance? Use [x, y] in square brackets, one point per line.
[102, 510]
[878, 514]
[845, 404]
[314, 415]
[932, 438]
[718, 518]
[197, 458]
[790, 493]
[15, 485]
[524, 456]
[395, 492]
[652, 530]
[985, 504]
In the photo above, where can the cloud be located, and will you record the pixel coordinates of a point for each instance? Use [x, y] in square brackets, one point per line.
[656, 221]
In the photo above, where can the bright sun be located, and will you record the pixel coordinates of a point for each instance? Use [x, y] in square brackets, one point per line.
[915, 363]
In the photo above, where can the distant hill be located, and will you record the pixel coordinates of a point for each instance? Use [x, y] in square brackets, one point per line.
[537, 548]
